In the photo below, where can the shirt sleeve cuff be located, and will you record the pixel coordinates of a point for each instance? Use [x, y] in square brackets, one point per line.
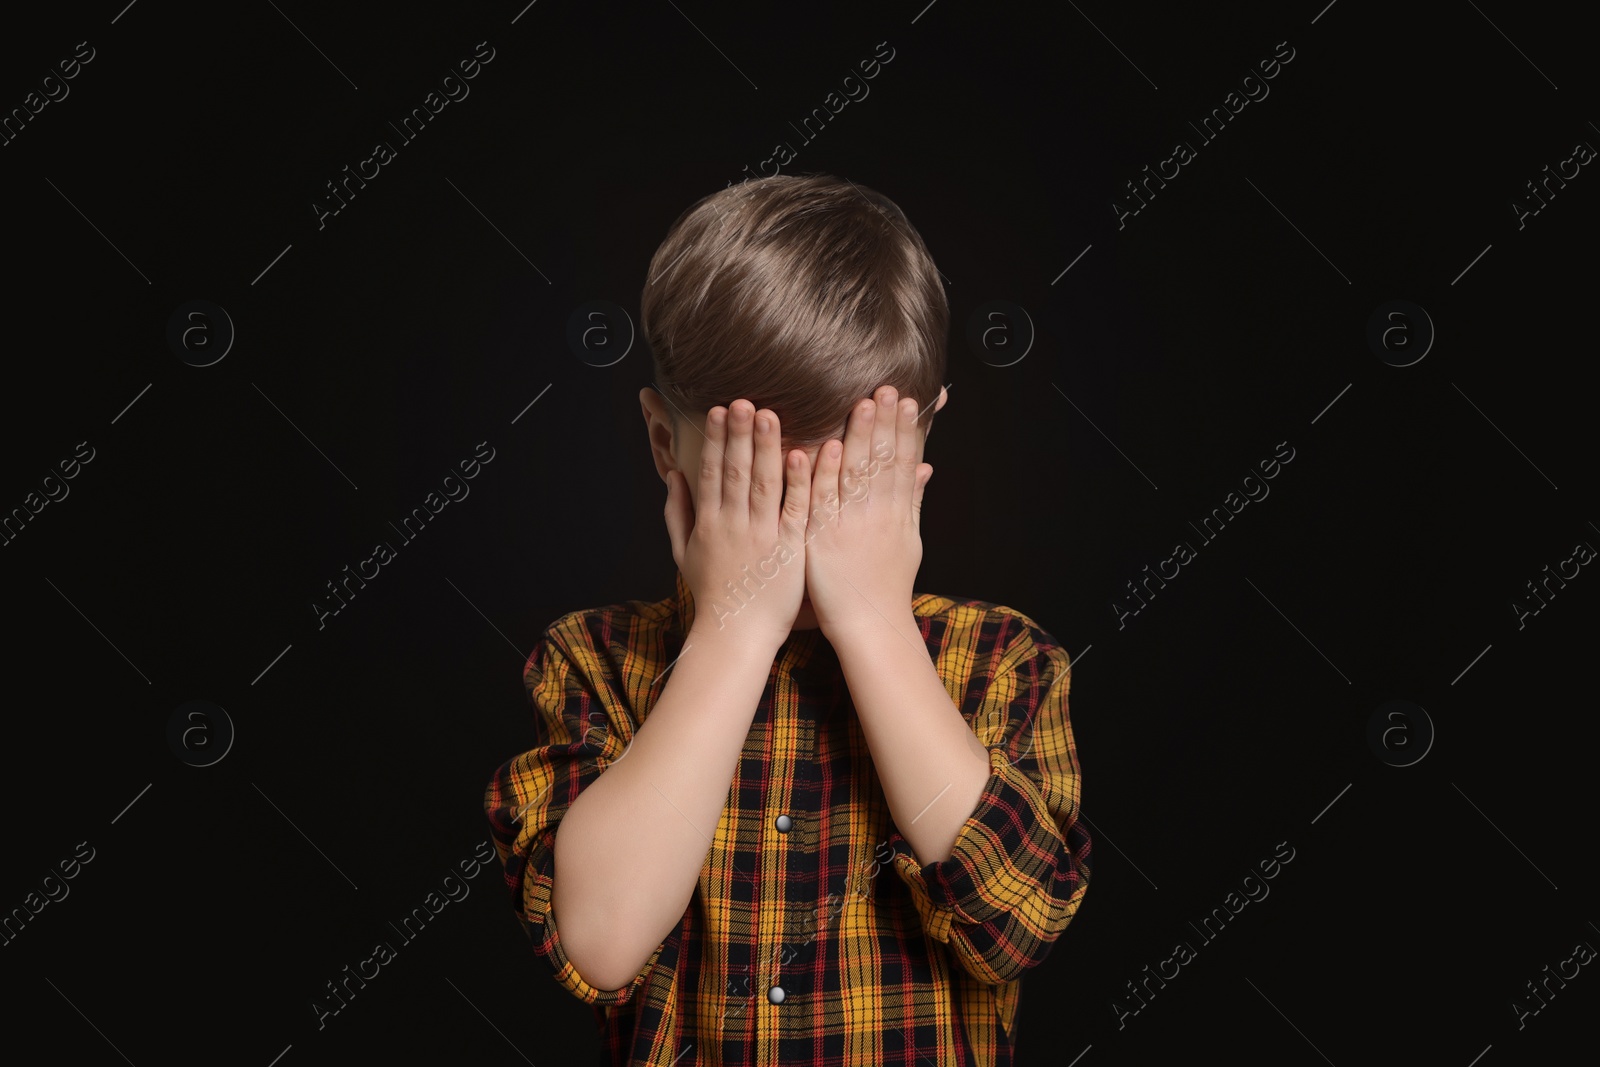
[1003, 853]
[540, 922]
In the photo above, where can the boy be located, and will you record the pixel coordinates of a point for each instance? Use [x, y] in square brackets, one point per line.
[799, 814]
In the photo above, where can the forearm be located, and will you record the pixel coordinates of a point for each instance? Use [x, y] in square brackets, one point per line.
[932, 766]
[629, 850]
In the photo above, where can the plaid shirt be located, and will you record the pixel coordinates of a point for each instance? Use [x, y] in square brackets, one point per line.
[921, 965]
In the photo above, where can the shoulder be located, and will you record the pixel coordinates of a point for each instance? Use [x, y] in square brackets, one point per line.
[615, 640]
[983, 628]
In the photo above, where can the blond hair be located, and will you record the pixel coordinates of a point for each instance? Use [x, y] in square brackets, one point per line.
[802, 294]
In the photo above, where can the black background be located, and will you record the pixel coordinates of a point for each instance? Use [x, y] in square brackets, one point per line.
[376, 352]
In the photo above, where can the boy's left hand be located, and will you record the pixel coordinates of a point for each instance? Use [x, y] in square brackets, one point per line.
[863, 544]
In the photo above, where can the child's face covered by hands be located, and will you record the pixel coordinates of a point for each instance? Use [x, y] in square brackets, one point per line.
[770, 541]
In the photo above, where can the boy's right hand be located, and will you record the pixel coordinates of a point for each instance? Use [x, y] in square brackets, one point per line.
[743, 518]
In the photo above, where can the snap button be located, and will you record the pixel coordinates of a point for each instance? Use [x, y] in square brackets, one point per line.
[775, 994]
[783, 823]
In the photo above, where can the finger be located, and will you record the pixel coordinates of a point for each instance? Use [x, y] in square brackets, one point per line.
[766, 469]
[678, 515]
[825, 484]
[712, 458]
[905, 449]
[797, 498]
[857, 444]
[885, 432]
[736, 465]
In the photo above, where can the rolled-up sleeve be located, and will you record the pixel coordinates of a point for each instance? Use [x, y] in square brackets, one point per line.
[581, 725]
[1020, 864]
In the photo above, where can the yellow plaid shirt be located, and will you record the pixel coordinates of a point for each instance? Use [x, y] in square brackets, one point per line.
[793, 950]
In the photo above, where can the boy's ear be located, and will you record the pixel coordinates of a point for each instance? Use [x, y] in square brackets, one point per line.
[658, 426]
[944, 395]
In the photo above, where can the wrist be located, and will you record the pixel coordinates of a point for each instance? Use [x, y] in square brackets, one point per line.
[870, 631]
[735, 637]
